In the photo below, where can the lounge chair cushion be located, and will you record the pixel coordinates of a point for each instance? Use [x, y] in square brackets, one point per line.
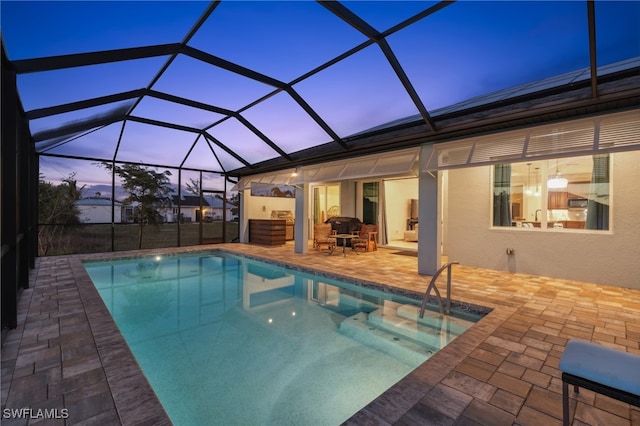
[411, 235]
[609, 367]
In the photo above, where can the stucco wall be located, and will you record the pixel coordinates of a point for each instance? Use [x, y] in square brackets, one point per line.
[348, 198]
[98, 214]
[610, 258]
[261, 207]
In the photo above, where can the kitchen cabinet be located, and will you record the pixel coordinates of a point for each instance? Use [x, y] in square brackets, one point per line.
[579, 189]
[574, 224]
[289, 231]
[557, 200]
[287, 215]
[569, 224]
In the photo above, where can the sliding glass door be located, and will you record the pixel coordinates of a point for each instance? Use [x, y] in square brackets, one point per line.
[325, 203]
[370, 202]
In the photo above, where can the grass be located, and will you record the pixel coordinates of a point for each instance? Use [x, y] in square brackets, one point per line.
[79, 239]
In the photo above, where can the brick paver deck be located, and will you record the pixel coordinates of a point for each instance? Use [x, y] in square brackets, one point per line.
[68, 354]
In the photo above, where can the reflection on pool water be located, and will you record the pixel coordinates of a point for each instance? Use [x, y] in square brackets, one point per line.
[231, 340]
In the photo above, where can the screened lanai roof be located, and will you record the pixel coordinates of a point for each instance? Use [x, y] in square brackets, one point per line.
[243, 87]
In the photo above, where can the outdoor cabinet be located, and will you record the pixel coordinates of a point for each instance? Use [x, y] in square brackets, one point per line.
[270, 232]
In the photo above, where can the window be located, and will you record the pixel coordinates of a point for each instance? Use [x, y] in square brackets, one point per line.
[554, 194]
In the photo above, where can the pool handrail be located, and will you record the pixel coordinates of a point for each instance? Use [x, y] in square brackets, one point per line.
[432, 285]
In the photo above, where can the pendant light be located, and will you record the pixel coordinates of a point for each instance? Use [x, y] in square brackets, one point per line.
[537, 193]
[557, 182]
[528, 191]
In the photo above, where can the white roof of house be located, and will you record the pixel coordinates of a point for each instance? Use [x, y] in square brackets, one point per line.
[96, 201]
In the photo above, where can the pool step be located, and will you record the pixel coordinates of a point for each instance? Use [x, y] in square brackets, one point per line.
[432, 336]
[358, 328]
[356, 302]
[449, 323]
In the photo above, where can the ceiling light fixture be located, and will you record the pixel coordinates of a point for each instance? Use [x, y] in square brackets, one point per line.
[557, 182]
[528, 191]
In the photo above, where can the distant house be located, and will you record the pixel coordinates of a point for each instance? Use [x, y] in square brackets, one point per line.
[98, 210]
[190, 209]
[217, 208]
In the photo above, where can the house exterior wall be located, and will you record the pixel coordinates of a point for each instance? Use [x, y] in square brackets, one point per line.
[189, 213]
[216, 212]
[601, 257]
[261, 207]
[348, 198]
[98, 214]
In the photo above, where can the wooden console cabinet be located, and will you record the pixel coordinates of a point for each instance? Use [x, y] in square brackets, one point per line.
[270, 232]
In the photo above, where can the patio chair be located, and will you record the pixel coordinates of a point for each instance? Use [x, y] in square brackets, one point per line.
[366, 238]
[322, 236]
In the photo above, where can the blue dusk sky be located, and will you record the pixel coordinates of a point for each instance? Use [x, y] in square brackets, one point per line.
[464, 50]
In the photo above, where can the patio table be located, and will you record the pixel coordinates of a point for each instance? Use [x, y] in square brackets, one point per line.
[344, 238]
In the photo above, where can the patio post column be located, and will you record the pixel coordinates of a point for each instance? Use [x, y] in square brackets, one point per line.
[301, 228]
[243, 222]
[429, 230]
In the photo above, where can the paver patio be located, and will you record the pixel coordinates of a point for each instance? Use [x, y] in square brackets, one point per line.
[68, 353]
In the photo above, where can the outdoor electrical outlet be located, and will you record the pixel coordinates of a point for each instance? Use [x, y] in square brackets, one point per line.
[510, 251]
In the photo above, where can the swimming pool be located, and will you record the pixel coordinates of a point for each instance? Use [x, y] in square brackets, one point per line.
[226, 338]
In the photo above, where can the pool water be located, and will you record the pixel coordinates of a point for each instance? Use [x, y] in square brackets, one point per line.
[228, 340]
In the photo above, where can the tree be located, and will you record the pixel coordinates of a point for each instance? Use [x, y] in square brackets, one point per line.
[148, 190]
[234, 199]
[56, 208]
[193, 186]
